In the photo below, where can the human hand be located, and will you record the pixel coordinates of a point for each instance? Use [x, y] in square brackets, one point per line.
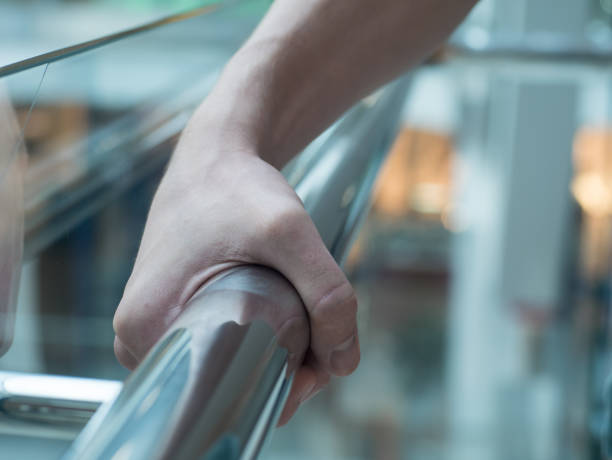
[218, 206]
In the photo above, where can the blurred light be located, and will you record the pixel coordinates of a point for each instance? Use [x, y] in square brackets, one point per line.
[452, 221]
[593, 166]
[592, 193]
[56, 387]
[148, 401]
[592, 190]
[391, 195]
[125, 452]
[477, 37]
[417, 175]
[428, 198]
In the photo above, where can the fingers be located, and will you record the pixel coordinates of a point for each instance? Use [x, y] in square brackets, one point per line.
[146, 310]
[304, 382]
[307, 381]
[294, 247]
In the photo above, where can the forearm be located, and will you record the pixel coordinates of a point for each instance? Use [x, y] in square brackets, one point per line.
[308, 61]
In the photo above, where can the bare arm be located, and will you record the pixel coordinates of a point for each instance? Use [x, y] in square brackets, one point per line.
[222, 201]
[308, 61]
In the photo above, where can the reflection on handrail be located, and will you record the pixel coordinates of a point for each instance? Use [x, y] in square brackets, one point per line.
[214, 385]
[95, 43]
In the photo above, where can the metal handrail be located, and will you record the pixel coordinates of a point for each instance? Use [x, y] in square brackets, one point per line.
[213, 386]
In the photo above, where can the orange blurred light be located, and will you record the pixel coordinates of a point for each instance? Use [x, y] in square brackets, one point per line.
[417, 175]
[593, 194]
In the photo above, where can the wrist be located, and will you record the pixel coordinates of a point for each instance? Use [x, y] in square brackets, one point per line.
[213, 136]
[267, 103]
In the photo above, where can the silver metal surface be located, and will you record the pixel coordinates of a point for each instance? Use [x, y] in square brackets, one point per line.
[215, 382]
[46, 406]
[340, 170]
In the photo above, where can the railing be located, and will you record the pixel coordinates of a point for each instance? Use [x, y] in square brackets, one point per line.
[214, 384]
[67, 184]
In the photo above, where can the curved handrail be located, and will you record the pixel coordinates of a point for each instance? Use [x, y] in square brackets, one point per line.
[214, 385]
[211, 377]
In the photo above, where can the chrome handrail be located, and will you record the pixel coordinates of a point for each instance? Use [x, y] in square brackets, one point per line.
[214, 385]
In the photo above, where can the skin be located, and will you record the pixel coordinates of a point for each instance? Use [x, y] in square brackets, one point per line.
[306, 63]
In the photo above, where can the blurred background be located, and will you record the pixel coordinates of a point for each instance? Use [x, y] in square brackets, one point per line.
[482, 271]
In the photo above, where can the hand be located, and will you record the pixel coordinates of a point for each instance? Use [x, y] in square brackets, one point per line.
[218, 206]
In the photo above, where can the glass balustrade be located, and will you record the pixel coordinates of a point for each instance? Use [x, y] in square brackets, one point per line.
[482, 269]
[86, 133]
[98, 128]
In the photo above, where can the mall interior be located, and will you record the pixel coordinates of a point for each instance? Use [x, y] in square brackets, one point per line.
[475, 221]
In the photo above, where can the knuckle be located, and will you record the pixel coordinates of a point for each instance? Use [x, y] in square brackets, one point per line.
[129, 330]
[285, 223]
[123, 355]
[120, 323]
[124, 321]
[337, 308]
[128, 316]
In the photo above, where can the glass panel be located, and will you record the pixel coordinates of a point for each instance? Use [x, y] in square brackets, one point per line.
[17, 97]
[98, 137]
[29, 29]
[483, 271]
[19, 94]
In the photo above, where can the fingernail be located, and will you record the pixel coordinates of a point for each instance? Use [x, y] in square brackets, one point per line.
[311, 395]
[305, 393]
[343, 357]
